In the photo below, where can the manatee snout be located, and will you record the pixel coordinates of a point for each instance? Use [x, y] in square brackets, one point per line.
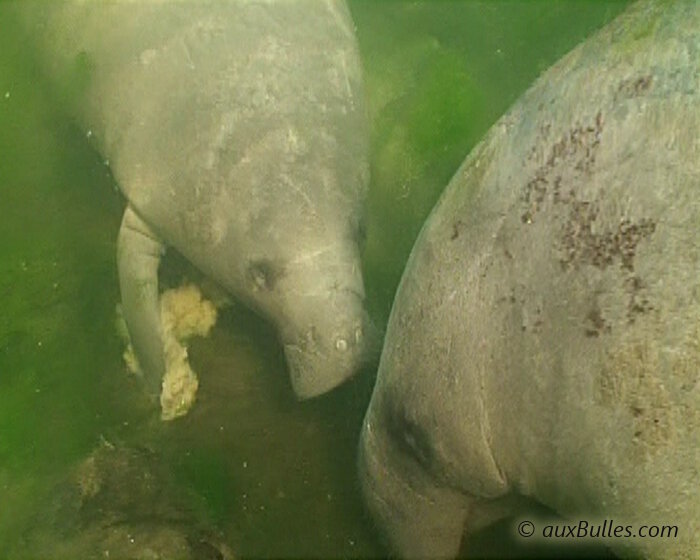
[332, 341]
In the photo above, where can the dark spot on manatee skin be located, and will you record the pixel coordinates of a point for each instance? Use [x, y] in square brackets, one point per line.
[637, 303]
[264, 274]
[633, 87]
[456, 229]
[580, 242]
[408, 436]
[576, 149]
[581, 246]
[598, 325]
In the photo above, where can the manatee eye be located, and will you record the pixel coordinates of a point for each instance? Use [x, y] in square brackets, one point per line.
[341, 344]
[262, 274]
[259, 278]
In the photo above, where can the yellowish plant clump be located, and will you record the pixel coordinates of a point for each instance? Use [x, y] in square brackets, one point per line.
[184, 313]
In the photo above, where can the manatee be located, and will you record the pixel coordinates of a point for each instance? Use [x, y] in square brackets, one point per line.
[237, 132]
[544, 343]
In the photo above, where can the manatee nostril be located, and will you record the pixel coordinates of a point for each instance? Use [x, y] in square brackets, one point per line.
[341, 344]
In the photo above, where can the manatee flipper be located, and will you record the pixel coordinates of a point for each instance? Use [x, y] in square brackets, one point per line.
[138, 255]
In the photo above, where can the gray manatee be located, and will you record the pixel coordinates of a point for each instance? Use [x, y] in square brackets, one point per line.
[544, 342]
[236, 130]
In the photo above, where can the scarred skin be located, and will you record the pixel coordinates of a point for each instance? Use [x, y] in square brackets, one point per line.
[236, 130]
[545, 339]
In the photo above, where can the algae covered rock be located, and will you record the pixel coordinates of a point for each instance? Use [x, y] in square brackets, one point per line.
[122, 502]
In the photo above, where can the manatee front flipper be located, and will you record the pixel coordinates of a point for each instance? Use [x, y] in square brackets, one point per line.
[138, 257]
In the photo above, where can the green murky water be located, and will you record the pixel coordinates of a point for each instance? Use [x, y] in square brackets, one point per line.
[277, 476]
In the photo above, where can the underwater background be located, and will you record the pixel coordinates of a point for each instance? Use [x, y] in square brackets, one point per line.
[273, 476]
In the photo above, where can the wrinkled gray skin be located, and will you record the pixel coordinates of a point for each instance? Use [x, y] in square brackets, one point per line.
[236, 130]
[545, 338]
